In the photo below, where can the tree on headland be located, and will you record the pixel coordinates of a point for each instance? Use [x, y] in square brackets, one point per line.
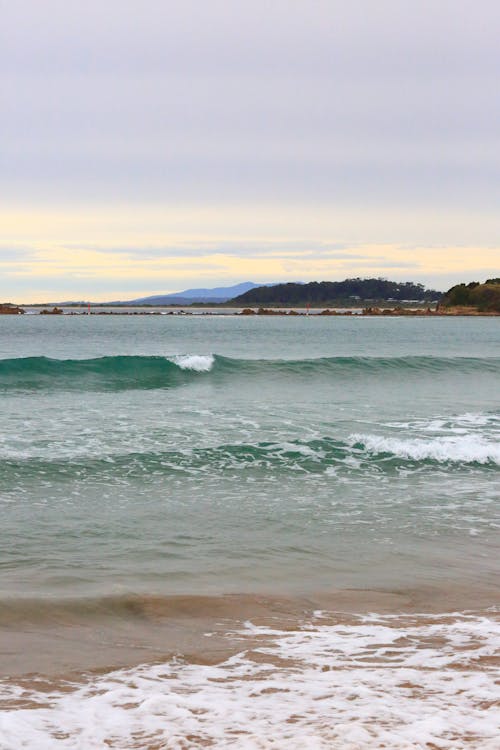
[350, 292]
[483, 297]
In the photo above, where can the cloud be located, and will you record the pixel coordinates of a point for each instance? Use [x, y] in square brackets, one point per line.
[252, 247]
[169, 144]
[102, 273]
[360, 103]
[10, 254]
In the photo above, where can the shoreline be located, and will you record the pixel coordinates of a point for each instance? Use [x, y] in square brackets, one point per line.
[221, 311]
[336, 679]
[54, 637]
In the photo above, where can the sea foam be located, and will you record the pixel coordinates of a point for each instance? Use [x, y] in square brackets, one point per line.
[197, 362]
[461, 449]
[402, 683]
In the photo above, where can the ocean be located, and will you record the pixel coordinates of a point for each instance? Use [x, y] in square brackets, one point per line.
[249, 532]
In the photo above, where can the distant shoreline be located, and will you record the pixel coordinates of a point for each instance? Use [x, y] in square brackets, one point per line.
[298, 311]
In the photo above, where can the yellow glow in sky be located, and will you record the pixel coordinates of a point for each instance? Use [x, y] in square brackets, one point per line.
[136, 251]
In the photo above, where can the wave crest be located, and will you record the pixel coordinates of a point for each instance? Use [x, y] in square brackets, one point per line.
[368, 455]
[456, 449]
[196, 362]
[141, 372]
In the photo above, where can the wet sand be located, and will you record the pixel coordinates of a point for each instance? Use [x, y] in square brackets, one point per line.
[254, 672]
[69, 637]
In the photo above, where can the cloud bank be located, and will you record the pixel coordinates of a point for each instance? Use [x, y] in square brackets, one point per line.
[157, 128]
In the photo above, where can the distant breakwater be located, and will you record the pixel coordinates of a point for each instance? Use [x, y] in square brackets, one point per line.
[9, 309]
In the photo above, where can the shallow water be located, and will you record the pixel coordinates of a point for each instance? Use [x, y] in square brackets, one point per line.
[285, 457]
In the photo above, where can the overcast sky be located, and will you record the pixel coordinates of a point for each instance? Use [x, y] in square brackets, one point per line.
[151, 146]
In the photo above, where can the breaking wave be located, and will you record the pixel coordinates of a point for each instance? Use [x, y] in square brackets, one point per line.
[142, 372]
[358, 455]
[460, 449]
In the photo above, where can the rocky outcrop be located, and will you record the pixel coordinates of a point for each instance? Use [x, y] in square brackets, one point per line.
[54, 311]
[466, 310]
[398, 311]
[7, 308]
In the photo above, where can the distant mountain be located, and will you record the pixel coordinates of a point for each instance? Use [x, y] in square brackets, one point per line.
[190, 296]
[350, 291]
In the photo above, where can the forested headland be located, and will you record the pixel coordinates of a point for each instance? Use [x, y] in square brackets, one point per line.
[338, 293]
[482, 297]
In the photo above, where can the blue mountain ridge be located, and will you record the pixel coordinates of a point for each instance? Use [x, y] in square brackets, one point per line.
[188, 296]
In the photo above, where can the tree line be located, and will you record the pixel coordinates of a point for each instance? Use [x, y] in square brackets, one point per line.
[484, 297]
[337, 292]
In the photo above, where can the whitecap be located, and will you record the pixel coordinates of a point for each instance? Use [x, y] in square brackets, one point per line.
[461, 449]
[197, 362]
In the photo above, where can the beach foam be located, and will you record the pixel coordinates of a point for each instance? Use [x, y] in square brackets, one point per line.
[397, 682]
[197, 362]
[461, 449]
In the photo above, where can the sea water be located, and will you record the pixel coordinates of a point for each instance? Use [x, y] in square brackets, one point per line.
[152, 460]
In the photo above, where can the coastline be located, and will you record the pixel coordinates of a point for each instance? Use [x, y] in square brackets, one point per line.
[205, 310]
[50, 637]
[386, 676]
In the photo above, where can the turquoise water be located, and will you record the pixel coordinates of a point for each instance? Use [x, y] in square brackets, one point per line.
[249, 533]
[224, 454]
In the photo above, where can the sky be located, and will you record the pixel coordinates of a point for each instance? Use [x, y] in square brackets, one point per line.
[147, 147]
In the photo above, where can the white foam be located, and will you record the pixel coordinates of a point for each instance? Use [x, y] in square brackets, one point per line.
[402, 683]
[198, 362]
[300, 448]
[485, 425]
[462, 448]
[473, 419]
